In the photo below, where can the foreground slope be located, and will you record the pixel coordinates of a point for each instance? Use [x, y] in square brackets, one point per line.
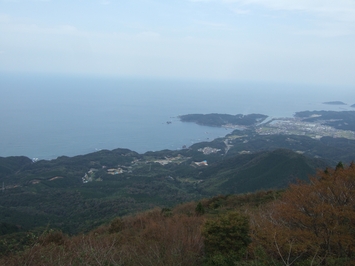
[305, 224]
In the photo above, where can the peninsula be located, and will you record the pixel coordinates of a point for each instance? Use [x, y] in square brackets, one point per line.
[224, 120]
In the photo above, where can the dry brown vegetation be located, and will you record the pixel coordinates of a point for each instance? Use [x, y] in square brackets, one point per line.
[312, 221]
[150, 238]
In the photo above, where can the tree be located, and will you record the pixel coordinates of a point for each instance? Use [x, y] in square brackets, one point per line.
[340, 165]
[226, 238]
[313, 220]
[199, 210]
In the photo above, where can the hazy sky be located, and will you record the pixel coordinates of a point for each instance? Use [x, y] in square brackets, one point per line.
[303, 41]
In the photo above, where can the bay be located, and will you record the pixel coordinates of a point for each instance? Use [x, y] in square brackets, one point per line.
[46, 116]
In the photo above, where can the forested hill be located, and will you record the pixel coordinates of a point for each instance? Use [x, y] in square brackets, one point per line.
[76, 194]
[258, 171]
[9, 165]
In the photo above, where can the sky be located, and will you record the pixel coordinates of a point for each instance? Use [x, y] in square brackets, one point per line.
[292, 41]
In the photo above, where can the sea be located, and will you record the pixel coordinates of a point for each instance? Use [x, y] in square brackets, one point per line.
[47, 116]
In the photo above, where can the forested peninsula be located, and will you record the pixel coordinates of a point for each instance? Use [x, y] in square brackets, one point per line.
[223, 120]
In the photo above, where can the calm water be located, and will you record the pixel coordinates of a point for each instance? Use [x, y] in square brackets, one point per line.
[45, 117]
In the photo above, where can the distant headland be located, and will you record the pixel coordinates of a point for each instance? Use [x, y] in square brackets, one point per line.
[335, 103]
[324, 123]
[224, 120]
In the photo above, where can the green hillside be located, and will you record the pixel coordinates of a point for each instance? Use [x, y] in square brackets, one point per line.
[76, 194]
[262, 170]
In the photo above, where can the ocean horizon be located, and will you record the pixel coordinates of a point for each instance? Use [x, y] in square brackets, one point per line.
[46, 117]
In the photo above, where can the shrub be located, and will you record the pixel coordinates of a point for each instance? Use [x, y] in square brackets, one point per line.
[226, 238]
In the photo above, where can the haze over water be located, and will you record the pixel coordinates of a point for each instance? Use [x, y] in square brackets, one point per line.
[49, 116]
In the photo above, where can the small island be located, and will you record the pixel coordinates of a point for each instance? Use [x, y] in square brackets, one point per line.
[353, 106]
[224, 120]
[335, 103]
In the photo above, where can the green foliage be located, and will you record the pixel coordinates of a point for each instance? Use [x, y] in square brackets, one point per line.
[266, 170]
[11, 164]
[222, 259]
[116, 226]
[340, 165]
[6, 228]
[200, 210]
[226, 238]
